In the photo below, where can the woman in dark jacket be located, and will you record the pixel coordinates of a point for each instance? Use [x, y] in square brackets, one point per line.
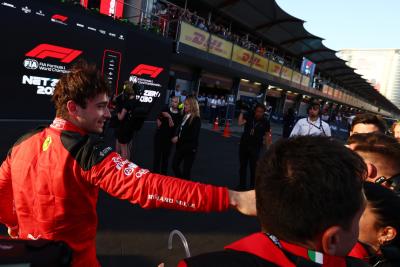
[187, 139]
[379, 237]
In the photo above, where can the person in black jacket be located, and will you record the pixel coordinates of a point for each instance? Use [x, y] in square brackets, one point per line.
[167, 123]
[257, 131]
[187, 139]
[289, 120]
[379, 238]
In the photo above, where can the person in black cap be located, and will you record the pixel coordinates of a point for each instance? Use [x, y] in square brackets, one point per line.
[313, 124]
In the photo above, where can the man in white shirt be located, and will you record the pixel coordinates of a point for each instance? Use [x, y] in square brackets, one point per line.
[312, 125]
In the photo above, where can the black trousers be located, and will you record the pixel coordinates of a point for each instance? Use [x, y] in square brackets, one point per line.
[162, 151]
[187, 156]
[248, 156]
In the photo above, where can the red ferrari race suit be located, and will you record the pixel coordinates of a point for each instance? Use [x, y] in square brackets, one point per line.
[50, 180]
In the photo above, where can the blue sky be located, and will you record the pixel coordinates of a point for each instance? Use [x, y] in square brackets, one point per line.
[349, 23]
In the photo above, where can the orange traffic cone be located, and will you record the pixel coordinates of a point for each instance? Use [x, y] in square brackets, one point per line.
[227, 130]
[216, 125]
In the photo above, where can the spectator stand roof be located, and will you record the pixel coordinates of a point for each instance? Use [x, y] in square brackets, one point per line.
[287, 32]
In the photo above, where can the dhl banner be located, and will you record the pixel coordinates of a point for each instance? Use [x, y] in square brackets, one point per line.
[241, 55]
[194, 37]
[260, 63]
[296, 78]
[287, 73]
[274, 68]
[305, 81]
[220, 47]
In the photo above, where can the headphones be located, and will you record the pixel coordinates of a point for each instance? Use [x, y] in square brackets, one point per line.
[312, 105]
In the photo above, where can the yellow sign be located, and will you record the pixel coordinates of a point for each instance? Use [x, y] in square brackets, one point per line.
[274, 68]
[260, 63]
[46, 143]
[220, 47]
[287, 73]
[305, 81]
[296, 78]
[241, 55]
[194, 37]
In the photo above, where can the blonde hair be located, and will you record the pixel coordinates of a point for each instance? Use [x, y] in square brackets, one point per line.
[194, 107]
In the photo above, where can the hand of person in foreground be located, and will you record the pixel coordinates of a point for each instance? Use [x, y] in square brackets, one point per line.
[244, 202]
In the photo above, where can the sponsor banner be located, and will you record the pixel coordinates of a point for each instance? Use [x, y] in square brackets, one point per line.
[305, 81]
[38, 58]
[274, 68]
[113, 8]
[241, 55]
[287, 73]
[260, 63]
[307, 68]
[325, 89]
[194, 37]
[296, 78]
[220, 47]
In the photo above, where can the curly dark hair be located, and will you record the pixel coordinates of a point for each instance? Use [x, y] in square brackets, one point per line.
[307, 184]
[83, 81]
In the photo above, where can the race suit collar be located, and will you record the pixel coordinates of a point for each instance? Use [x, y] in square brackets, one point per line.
[273, 250]
[65, 125]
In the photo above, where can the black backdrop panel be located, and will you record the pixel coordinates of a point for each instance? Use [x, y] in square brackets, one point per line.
[42, 39]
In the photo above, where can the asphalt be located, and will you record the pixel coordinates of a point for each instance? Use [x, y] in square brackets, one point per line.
[131, 236]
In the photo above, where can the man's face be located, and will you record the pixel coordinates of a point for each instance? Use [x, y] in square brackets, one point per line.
[259, 113]
[92, 118]
[368, 230]
[174, 102]
[364, 128]
[396, 132]
[314, 111]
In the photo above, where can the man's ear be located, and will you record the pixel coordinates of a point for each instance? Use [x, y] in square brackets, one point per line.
[387, 234]
[72, 108]
[330, 240]
[372, 170]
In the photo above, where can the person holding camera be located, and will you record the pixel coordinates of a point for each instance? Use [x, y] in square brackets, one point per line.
[313, 124]
[257, 130]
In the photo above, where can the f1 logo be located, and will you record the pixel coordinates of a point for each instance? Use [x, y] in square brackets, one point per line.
[152, 71]
[59, 17]
[65, 55]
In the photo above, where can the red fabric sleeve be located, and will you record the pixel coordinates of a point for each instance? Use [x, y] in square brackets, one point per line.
[7, 212]
[125, 180]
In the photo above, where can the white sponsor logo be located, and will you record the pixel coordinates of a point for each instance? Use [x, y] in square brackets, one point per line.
[112, 34]
[6, 247]
[26, 10]
[31, 64]
[92, 29]
[102, 31]
[138, 80]
[45, 86]
[8, 5]
[80, 25]
[40, 13]
[105, 151]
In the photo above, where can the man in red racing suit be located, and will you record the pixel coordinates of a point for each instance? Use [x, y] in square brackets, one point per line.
[50, 179]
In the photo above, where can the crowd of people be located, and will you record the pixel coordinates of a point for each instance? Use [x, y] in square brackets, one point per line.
[173, 13]
[319, 202]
